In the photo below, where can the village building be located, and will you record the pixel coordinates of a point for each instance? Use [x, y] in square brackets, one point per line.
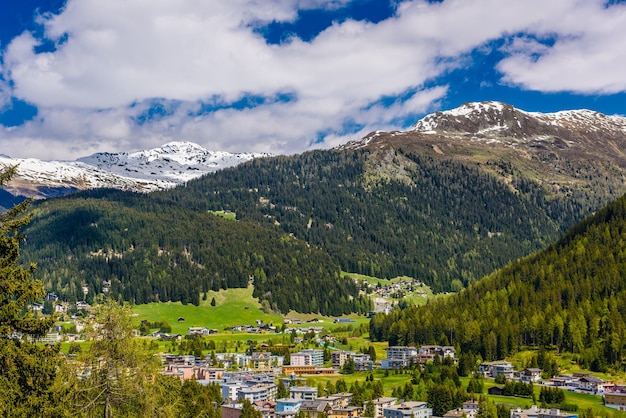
[408, 410]
[536, 412]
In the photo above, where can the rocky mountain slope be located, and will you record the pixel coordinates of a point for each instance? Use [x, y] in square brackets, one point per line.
[143, 171]
[567, 152]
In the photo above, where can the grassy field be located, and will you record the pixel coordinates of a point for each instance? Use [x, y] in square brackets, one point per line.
[231, 216]
[232, 307]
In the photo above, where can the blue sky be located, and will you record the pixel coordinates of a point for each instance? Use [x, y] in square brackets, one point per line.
[284, 76]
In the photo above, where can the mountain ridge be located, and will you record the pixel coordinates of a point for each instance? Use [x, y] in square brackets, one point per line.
[154, 169]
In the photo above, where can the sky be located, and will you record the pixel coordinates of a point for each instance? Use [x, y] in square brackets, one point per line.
[284, 76]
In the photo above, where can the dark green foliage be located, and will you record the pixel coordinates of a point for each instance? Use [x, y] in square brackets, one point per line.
[518, 389]
[551, 396]
[569, 296]
[152, 251]
[447, 221]
[27, 371]
[475, 386]
[443, 398]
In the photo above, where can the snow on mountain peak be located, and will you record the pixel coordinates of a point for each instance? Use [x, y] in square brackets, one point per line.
[495, 119]
[159, 168]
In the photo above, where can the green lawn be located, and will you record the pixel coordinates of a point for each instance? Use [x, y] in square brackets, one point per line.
[232, 307]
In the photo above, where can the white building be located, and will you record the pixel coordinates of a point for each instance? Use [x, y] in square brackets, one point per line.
[308, 357]
[258, 393]
[399, 357]
[408, 410]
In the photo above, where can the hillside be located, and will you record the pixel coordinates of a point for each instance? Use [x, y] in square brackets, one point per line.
[569, 296]
[144, 251]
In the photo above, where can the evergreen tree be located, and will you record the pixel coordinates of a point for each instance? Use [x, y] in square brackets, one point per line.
[370, 409]
[248, 410]
[282, 391]
[28, 373]
[119, 370]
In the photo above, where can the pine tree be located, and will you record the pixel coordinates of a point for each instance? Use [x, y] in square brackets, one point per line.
[119, 370]
[28, 385]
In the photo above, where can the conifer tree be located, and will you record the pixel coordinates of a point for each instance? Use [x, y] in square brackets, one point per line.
[27, 371]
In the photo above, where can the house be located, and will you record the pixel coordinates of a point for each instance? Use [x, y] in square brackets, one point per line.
[408, 410]
[345, 412]
[591, 384]
[454, 413]
[82, 305]
[496, 390]
[315, 408]
[267, 408]
[399, 357]
[202, 331]
[530, 375]
[497, 368]
[261, 361]
[536, 412]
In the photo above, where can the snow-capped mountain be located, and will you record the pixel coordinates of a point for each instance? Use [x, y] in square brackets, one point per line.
[492, 120]
[499, 124]
[143, 171]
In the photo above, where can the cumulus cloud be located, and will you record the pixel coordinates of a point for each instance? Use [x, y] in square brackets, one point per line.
[113, 58]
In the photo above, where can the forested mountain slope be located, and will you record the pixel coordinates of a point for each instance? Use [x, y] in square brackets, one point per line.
[570, 296]
[453, 199]
[151, 251]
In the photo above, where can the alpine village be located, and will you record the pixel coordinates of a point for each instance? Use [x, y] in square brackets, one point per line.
[471, 266]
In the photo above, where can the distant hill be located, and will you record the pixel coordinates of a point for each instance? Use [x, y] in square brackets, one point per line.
[569, 296]
[141, 250]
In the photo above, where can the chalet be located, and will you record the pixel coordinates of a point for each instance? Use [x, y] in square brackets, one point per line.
[496, 390]
[591, 384]
[530, 375]
[261, 360]
[315, 408]
[267, 408]
[202, 331]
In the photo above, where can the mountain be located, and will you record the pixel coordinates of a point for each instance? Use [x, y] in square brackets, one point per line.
[441, 202]
[569, 297]
[143, 171]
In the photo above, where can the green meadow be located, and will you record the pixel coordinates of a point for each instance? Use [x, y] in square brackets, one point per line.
[232, 307]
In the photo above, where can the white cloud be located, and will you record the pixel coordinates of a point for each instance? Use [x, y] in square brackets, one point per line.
[123, 52]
